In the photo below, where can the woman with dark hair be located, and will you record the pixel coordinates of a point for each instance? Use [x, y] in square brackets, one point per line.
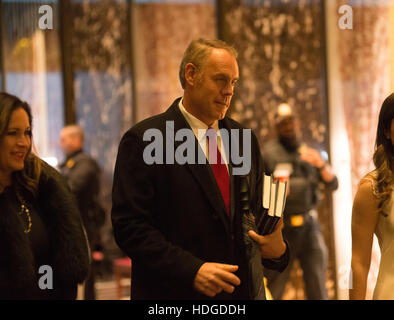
[43, 248]
[373, 213]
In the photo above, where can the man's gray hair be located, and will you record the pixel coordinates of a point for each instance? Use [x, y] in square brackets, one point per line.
[197, 53]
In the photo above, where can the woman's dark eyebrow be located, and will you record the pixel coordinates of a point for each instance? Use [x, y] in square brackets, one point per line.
[14, 128]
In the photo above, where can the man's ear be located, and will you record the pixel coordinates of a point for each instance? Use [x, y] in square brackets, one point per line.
[191, 73]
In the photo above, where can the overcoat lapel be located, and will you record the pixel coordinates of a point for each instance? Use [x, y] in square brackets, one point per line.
[202, 172]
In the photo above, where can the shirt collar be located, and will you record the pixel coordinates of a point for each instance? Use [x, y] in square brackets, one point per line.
[196, 124]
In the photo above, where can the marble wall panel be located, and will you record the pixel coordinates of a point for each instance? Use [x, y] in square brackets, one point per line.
[161, 32]
[365, 62]
[392, 44]
[281, 58]
[364, 54]
[102, 82]
[281, 47]
[32, 67]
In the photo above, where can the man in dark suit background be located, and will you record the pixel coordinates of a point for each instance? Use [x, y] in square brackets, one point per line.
[182, 222]
[82, 174]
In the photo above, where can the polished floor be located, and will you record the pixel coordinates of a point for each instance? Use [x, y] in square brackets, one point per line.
[107, 290]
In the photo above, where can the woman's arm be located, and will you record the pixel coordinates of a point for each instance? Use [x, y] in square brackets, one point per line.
[364, 219]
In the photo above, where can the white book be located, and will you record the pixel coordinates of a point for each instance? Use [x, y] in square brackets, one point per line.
[271, 209]
[280, 199]
[267, 191]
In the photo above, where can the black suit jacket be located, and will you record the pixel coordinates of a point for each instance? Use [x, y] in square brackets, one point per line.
[170, 218]
[82, 174]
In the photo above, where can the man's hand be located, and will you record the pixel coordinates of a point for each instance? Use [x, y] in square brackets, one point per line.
[312, 156]
[272, 245]
[212, 278]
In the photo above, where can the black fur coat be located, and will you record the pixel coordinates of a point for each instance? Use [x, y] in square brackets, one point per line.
[68, 245]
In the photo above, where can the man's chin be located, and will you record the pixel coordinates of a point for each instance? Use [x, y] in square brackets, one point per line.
[222, 114]
[291, 144]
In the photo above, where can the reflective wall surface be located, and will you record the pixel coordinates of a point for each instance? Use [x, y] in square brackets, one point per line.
[360, 62]
[32, 68]
[281, 47]
[97, 45]
[108, 64]
[161, 32]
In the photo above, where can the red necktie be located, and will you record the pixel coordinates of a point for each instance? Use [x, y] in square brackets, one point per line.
[219, 169]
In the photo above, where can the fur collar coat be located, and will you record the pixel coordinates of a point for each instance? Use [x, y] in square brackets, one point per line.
[69, 250]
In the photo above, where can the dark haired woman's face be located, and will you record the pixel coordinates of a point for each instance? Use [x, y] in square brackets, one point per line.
[15, 143]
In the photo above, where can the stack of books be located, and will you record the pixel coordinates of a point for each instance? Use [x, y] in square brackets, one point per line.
[274, 200]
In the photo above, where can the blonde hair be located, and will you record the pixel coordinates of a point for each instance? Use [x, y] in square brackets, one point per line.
[197, 53]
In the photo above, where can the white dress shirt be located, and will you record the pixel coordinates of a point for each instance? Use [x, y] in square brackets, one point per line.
[200, 128]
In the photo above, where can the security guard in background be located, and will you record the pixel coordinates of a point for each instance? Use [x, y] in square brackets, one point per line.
[83, 176]
[307, 172]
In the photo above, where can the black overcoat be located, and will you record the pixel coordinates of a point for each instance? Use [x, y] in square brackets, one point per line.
[170, 218]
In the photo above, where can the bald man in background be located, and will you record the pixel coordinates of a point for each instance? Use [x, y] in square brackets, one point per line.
[83, 176]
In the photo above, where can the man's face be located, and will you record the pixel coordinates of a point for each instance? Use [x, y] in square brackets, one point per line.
[67, 142]
[214, 86]
[288, 128]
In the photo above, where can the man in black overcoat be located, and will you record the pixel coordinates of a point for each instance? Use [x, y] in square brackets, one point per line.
[183, 221]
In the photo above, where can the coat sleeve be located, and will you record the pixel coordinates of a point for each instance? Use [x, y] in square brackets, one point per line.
[133, 218]
[280, 263]
[331, 185]
[71, 256]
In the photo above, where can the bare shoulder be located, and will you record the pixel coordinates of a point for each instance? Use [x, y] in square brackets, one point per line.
[367, 187]
[370, 176]
[366, 202]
